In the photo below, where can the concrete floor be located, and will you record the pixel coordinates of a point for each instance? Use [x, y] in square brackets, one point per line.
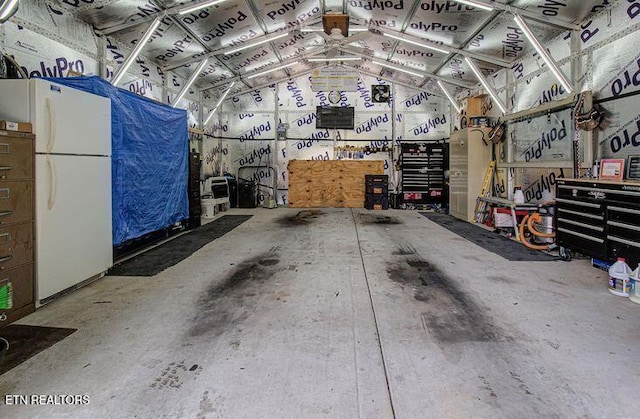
[339, 315]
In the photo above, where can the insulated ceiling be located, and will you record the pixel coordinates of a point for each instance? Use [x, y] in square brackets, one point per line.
[181, 42]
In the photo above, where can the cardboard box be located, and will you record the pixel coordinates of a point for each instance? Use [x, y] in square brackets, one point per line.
[16, 126]
[474, 106]
[501, 219]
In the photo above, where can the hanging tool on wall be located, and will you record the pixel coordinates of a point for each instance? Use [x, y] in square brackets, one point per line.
[481, 206]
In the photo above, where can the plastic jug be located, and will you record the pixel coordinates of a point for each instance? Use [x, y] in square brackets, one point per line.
[619, 278]
[518, 196]
[634, 292]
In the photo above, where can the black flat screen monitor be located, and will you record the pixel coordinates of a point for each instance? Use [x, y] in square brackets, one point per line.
[338, 117]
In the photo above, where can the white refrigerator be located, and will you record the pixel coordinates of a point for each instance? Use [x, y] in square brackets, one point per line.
[73, 239]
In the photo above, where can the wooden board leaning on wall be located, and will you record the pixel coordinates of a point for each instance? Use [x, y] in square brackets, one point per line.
[329, 183]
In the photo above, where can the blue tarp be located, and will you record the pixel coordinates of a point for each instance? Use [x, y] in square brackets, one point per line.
[149, 160]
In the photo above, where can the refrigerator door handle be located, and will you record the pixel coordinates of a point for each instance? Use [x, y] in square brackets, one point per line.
[52, 125]
[52, 189]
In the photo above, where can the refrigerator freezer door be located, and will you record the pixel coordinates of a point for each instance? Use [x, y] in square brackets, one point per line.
[70, 121]
[73, 221]
[14, 105]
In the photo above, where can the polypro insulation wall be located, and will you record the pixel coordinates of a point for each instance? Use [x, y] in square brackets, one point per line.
[45, 38]
[247, 128]
[608, 65]
[48, 41]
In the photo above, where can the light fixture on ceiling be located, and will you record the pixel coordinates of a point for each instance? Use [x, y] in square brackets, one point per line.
[7, 9]
[420, 44]
[448, 95]
[192, 79]
[477, 4]
[254, 44]
[262, 73]
[198, 6]
[310, 29]
[543, 53]
[392, 67]
[484, 83]
[136, 51]
[224, 95]
[352, 29]
[319, 60]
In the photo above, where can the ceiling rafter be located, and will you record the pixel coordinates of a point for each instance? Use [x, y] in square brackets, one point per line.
[189, 32]
[486, 85]
[211, 53]
[305, 72]
[270, 83]
[470, 38]
[192, 34]
[452, 50]
[86, 7]
[499, 10]
[170, 13]
[399, 83]
[256, 15]
[495, 15]
[412, 11]
[220, 83]
[295, 59]
[545, 20]
[129, 23]
[423, 73]
[311, 22]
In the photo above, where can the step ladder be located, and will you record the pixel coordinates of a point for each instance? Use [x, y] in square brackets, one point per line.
[481, 206]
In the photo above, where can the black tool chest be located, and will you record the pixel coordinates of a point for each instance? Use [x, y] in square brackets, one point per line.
[193, 190]
[423, 167]
[376, 192]
[599, 218]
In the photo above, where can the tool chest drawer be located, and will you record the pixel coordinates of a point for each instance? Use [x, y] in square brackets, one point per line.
[623, 230]
[600, 219]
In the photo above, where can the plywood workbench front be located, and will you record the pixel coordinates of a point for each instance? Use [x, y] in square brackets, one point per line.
[329, 183]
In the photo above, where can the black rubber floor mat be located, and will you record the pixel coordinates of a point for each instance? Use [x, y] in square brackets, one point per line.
[27, 341]
[493, 242]
[156, 260]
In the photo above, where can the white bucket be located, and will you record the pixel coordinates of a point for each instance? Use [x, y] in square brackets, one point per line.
[619, 281]
[208, 208]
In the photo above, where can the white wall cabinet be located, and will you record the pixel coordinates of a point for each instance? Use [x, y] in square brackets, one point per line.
[469, 158]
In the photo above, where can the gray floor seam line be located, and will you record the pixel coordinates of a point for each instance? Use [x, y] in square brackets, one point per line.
[375, 317]
[355, 342]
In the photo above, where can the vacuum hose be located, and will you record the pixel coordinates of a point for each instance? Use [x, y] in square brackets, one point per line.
[537, 218]
[528, 220]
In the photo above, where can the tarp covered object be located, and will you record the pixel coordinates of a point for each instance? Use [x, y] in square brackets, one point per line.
[149, 160]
